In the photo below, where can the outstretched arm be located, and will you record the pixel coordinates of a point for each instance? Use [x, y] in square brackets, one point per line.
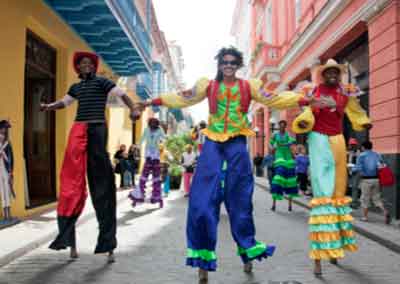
[60, 104]
[183, 99]
[283, 100]
[134, 110]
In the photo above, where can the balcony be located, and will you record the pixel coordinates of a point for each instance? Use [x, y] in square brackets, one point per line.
[113, 29]
[144, 86]
[265, 55]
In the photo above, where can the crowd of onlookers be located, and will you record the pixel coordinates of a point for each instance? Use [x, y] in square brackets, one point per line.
[126, 165]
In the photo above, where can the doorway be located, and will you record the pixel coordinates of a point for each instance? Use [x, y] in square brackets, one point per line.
[39, 127]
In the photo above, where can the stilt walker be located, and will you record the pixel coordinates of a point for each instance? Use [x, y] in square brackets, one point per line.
[331, 232]
[153, 136]
[86, 153]
[284, 181]
[229, 99]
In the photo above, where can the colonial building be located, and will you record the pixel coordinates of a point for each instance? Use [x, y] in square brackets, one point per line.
[38, 42]
[291, 36]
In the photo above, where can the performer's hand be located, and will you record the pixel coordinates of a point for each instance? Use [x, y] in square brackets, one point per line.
[319, 103]
[135, 115]
[44, 107]
[303, 124]
[367, 126]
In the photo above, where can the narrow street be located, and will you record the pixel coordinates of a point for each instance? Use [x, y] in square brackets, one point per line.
[152, 250]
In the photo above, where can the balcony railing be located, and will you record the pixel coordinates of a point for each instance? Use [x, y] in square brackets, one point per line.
[265, 55]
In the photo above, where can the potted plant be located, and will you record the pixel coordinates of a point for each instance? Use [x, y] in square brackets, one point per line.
[176, 146]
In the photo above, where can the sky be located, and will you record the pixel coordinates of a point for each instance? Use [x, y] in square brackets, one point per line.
[201, 28]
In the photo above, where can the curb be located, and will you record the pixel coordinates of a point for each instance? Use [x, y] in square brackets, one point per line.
[8, 258]
[368, 234]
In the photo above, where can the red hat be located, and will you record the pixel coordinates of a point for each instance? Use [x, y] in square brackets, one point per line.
[78, 56]
[353, 141]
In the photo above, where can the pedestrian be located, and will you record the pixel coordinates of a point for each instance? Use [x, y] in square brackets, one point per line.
[353, 153]
[165, 158]
[126, 171]
[302, 164]
[330, 225]
[7, 193]
[367, 164]
[268, 163]
[188, 163]
[257, 162]
[229, 100]
[284, 182]
[152, 137]
[87, 151]
[134, 161]
[118, 157]
[201, 138]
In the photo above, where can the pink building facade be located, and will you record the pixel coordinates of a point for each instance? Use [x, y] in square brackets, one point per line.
[288, 37]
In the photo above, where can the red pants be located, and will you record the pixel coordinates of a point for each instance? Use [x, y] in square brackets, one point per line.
[86, 153]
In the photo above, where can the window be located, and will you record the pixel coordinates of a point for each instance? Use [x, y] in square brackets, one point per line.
[268, 23]
[297, 12]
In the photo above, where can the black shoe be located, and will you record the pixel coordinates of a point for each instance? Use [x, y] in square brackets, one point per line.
[388, 219]
[273, 208]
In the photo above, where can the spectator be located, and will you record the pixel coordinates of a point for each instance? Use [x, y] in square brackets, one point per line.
[302, 164]
[367, 164]
[268, 163]
[353, 153]
[257, 161]
[134, 161]
[188, 162]
[118, 166]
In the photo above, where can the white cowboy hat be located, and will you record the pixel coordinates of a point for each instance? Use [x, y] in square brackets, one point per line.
[331, 63]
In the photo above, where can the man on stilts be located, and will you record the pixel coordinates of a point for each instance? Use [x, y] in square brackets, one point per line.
[87, 153]
[226, 139]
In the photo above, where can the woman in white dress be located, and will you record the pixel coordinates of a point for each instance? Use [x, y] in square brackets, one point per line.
[6, 170]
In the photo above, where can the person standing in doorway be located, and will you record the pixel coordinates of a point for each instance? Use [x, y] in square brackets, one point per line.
[87, 152]
[7, 193]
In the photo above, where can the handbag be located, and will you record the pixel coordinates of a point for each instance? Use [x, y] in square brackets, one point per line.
[386, 176]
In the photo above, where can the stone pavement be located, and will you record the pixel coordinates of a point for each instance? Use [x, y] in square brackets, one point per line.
[33, 232]
[152, 250]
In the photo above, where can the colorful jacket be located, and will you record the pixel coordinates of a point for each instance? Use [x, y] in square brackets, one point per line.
[228, 107]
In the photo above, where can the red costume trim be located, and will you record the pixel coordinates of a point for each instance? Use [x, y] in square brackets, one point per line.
[71, 200]
[245, 95]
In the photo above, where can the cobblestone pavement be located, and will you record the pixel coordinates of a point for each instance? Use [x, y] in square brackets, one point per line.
[152, 250]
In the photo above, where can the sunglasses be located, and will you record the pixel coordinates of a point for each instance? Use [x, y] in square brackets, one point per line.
[231, 63]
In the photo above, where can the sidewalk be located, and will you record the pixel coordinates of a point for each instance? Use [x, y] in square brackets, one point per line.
[375, 229]
[29, 234]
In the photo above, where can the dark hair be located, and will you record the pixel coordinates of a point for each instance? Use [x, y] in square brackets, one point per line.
[367, 145]
[220, 57]
[4, 124]
[282, 122]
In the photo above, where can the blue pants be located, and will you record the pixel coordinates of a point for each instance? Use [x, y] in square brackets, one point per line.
[205, 199]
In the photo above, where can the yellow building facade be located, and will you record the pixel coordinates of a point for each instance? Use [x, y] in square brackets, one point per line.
[36, 65]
